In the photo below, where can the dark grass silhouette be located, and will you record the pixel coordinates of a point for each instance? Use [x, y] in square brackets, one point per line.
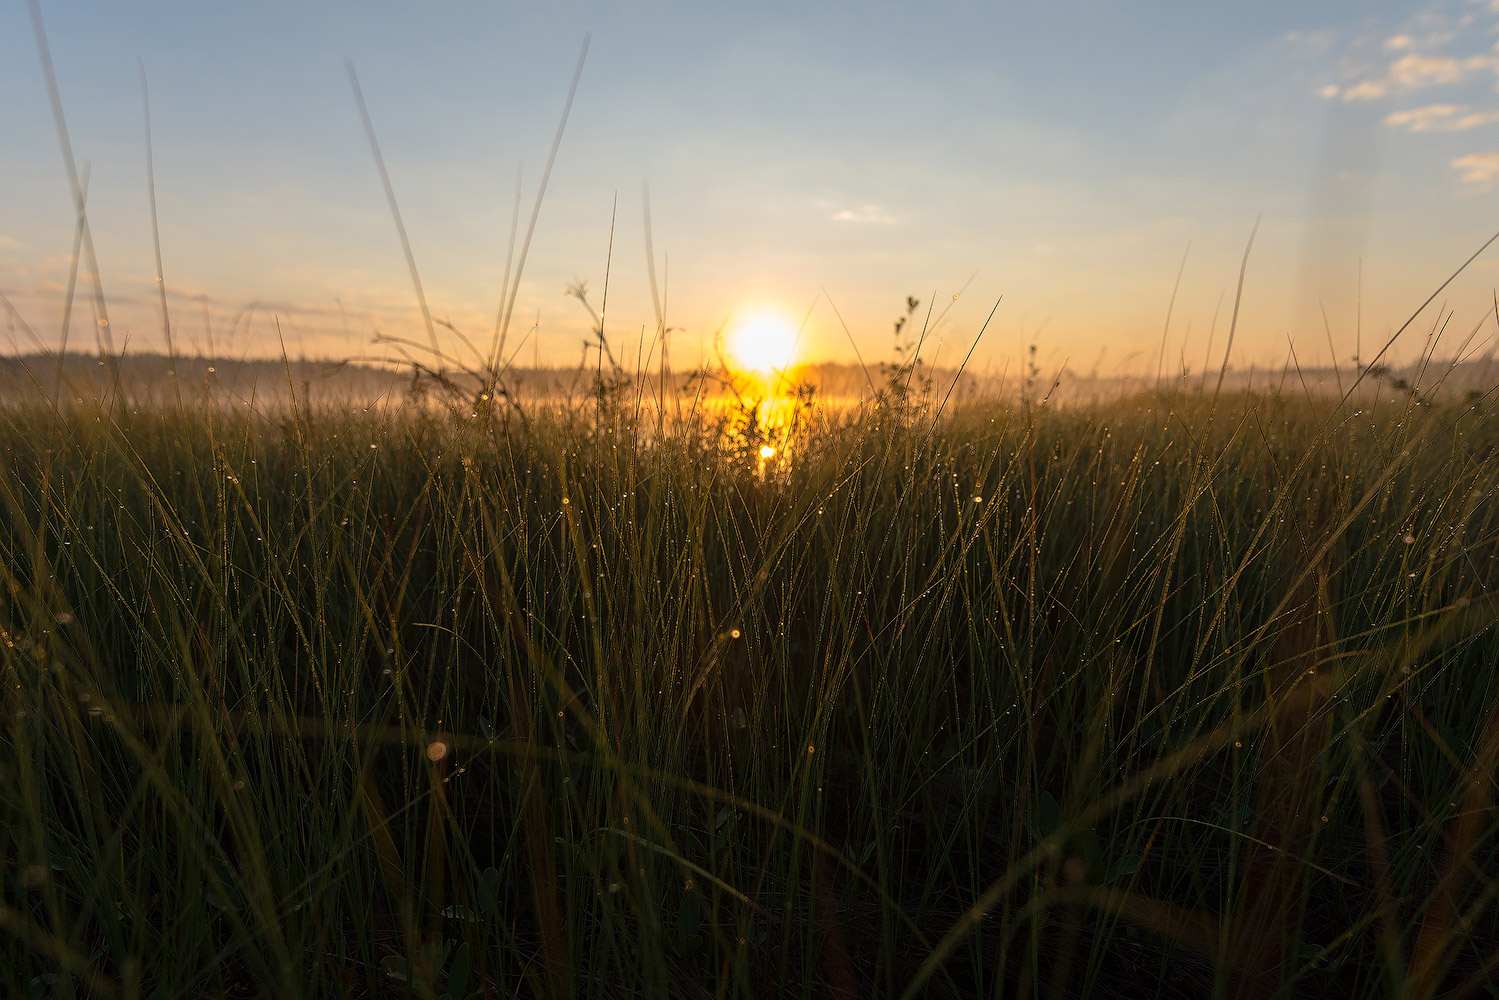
[1174, 695]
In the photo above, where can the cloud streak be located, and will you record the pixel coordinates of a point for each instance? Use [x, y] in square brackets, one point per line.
[874, 214]
[1441, 118]
[1414, 60]
[1414, 72]
[1478, 169]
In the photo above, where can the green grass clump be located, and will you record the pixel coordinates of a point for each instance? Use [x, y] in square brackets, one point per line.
[1170, 696]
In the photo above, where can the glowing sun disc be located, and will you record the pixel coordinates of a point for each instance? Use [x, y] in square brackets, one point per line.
[765, 344]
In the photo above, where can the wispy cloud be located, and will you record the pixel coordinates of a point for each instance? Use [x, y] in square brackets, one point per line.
[1368, 90]
[865, 213]
[1416, 58]
[6, 243]
[1441, 118]
[1435, 73]
[1414, 72]
[1478, 169]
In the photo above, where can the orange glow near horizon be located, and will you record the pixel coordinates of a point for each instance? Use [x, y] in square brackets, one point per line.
[763, 343]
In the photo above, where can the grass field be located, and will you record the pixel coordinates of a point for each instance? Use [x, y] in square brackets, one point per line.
[1178, 695]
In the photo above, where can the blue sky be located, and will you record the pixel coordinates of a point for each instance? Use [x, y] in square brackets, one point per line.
[1062, 155]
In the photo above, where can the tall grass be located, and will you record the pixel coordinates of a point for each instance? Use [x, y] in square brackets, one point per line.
[1171, 696]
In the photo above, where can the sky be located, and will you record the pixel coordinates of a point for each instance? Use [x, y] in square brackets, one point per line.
[1056, 164]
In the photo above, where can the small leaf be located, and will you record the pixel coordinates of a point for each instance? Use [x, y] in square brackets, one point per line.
[489, 886]
[1043, 818]
[689, 918]
[458, 974]
[1123, 868]
[1047, 812]
[442, 953]
[396, 967]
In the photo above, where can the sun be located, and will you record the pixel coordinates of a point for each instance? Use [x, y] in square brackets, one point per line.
[764, 343]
